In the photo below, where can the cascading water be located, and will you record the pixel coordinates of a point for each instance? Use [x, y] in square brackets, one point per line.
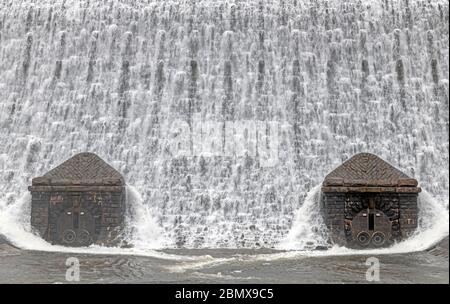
[142, 230]
[308, 230]
[223, 115]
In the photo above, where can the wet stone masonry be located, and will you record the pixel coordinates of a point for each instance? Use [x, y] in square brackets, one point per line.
[78, 203]
[368, 203]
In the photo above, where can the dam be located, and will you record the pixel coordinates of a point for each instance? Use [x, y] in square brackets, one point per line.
[222, 115]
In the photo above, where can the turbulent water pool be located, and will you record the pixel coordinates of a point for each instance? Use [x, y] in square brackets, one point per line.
[224, 266]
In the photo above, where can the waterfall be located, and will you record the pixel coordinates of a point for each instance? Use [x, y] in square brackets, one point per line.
[222, 115]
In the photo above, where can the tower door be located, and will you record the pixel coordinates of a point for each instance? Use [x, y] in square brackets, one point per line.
[371, 226]
[75, 225]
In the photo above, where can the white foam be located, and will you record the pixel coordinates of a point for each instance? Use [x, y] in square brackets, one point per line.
[144, 231]
[308, 229]
[199, 264]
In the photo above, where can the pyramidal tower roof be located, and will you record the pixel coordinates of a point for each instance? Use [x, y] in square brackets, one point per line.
[367, 170]
[82, 169]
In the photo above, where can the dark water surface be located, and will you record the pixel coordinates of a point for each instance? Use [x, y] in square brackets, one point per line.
[224, 266]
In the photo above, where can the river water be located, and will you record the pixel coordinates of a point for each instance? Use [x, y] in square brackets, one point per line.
[223, 266]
